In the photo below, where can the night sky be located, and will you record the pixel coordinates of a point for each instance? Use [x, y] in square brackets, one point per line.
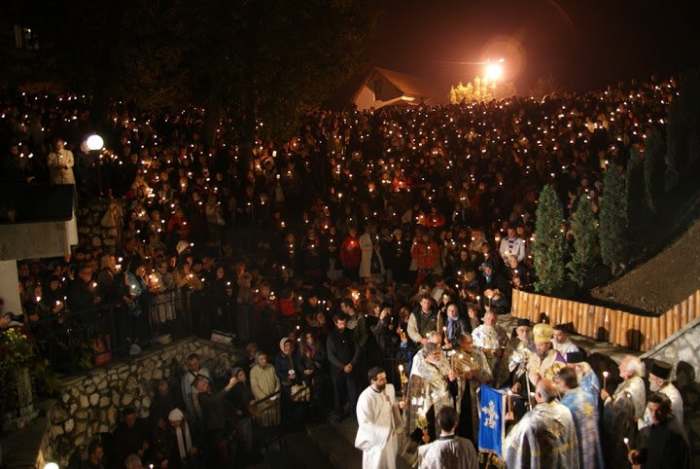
[582, 44]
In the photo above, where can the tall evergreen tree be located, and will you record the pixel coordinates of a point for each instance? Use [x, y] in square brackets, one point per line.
[653, 169]
[549, 247]
[614, 242]
[586, 248]
[635, 189]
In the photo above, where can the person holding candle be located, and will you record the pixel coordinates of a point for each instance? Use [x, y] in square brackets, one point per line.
[490, 338]
[622, 410]
[664, 444]
[471, 369]
[428, 389]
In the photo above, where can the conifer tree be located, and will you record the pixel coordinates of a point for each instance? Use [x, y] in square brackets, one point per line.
[614, 223]
[549, 247]
[586, 249]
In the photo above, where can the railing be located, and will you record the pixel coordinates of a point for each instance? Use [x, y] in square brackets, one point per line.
[623, 328]
[75, 340]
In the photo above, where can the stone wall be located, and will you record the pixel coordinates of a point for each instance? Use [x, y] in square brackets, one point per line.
[91, 404]
[683, 346]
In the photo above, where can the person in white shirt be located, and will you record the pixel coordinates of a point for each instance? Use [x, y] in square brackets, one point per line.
[60, 163]
[448, 451]
[511, 245]
[660, 381]
[378, 419]
[561, 341]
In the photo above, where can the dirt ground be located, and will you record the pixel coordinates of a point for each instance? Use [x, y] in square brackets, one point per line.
[663, 281]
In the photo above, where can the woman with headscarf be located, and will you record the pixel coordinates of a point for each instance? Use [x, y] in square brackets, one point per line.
[264, 384]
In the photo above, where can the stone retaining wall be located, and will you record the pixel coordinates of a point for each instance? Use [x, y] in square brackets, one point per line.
[91, 404]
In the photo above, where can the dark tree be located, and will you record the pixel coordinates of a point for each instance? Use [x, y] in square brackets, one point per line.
[614, 221]
[585, 249]
[549, 247]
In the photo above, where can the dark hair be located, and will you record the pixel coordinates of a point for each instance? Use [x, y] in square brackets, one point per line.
[192, 356]
[340, 317]
[374, 372]
[347, 302]
[94, 444]
[447, 419]
[664, 403]
[426, 296]
[568, 377]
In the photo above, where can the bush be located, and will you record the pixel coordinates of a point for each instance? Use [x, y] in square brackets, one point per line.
[549, 247]
[586, 248]
[613, 233]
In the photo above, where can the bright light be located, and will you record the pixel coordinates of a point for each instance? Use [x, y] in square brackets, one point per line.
[51, 465]
[493, 71]
[94, 142]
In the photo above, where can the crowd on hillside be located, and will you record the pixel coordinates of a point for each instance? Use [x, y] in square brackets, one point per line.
[327, 254]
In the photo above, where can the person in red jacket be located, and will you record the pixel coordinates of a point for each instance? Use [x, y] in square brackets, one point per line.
[426, 254]
[351, 254]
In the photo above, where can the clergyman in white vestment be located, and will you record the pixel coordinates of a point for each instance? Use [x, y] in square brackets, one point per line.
[378, 418]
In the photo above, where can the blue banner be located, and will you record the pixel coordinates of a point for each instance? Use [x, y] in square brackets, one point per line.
[491, 419]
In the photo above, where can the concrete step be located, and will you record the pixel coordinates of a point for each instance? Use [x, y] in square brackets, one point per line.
[303, 453]
[342, 435]
[335, 445]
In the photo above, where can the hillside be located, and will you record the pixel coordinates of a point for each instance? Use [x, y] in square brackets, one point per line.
[664, 280]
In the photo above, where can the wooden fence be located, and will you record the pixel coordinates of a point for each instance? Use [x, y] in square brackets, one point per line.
[634, 331]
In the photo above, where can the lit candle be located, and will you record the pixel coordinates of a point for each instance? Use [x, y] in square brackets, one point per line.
[627, 443]
[605, 379]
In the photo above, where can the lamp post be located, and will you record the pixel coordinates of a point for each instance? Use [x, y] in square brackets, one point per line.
[95, 143]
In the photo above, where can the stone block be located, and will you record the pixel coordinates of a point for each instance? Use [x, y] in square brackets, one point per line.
[127, 399]
[84, 402]
[65, 398]
[69, 425]
[90, 389]
[146, 402]
[105, 401]
[94, 399]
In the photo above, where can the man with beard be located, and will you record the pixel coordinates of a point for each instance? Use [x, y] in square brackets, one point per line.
[428, 387]
[490, 338]
[545, 362]
[660, 381]
[545, 437]
[378, 418]
[622, 410]
[471, 370]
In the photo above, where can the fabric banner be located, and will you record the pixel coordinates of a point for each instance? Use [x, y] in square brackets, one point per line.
[492, 410]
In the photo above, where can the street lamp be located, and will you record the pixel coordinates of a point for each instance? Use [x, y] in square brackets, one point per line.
[94, 142]
[493, 71]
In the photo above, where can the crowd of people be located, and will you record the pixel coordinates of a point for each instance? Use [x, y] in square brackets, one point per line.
[389, 238]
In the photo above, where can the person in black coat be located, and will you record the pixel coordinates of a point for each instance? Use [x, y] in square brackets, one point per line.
[343, 355]
[664, 444]
[131, 436]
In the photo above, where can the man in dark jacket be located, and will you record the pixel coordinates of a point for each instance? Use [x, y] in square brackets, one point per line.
[343, 355]
[217, 416]
[664, 444]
